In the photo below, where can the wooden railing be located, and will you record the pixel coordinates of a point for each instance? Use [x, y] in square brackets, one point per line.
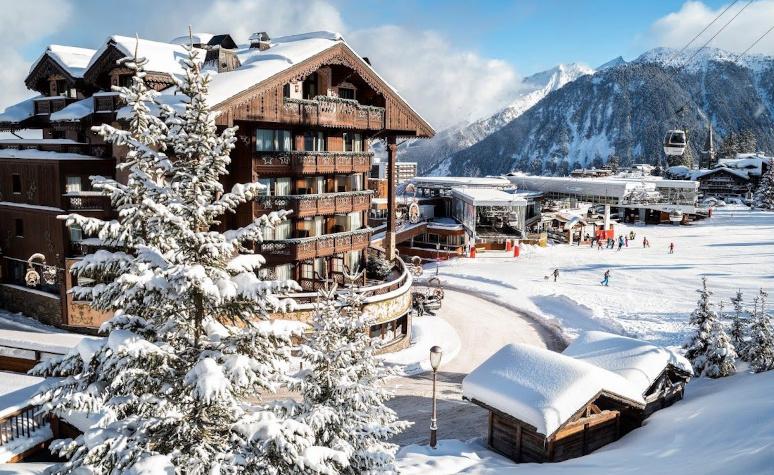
[316, 204]
[311, 163]
[299, 249]
[333, 112]
[107, 102]
[86, 201]
[21, 424]
[49, 105]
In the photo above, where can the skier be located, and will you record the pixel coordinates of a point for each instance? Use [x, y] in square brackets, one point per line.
[626, 241]
[620, 242]
[645, 242]
[556, 274]
[606, 280]
[599, 244]
[671, 248]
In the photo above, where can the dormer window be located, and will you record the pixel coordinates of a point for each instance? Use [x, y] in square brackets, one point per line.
[347, 93]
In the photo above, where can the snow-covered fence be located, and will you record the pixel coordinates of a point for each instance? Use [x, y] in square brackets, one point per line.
[23, 431]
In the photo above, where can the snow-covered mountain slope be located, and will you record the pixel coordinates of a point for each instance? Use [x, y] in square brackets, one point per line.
[430, 154]
[624, 109]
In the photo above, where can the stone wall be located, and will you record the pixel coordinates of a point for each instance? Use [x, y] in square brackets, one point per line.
[35, 304]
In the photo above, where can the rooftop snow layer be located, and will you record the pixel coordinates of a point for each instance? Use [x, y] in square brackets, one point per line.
[461, 181]
[638, 361]
[541, 387]
[44, 155]
[195, 38]
[20, 111]
[579, 186]
[72, 59]
[488, 197]
[162, 57]
[75, 111]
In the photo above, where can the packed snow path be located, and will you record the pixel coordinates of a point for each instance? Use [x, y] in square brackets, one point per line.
[483, 328]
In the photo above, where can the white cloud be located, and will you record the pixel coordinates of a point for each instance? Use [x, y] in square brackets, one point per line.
[678, 28]
[443, 82]
[21, 23]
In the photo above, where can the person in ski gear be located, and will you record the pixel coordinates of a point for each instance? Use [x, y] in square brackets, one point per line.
[671, 248]
[556, 274]
[645, 242]
[606, 279]
[626, 241]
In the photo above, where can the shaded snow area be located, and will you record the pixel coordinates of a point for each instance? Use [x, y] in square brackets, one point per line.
[722, 426]
[426, 332]
[651, 292]
[16, 390]
[33, 468]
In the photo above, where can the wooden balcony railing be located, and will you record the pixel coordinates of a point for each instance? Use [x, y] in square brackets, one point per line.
[332, 112]
[107, 102]
[22, 424]
[86, 201]
[300, 249]
[316, 204]
[311, 163]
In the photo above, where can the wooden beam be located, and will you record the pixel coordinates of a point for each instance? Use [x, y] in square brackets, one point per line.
[389, 236]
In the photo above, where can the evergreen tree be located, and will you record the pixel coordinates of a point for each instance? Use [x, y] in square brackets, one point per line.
[721, 354]
[764, 195]
[342, 387]
[702, 319]
[183, 350]
[730, 145]
[747, 143]
[738, 331]
[760, 352]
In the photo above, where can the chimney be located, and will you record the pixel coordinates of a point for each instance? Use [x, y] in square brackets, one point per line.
[221, 59]
[260, 40]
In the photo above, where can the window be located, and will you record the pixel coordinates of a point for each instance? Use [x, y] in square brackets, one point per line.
[125, 80]
[353, 261]
[282, 186]
[282, 230]
[270, 140]
[283, 272]
[347, 93]
[314, 141]
[76, 233]
[307, 270]
[16, 183]
[61, 87]
[19, 228]
[72, 184]
[342, 181]
[268, 184]
[337, 263]
[356, 182]
[353, 142]
[310, 86]
[286, 90]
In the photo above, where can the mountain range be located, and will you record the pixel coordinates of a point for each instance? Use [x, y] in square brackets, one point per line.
[572, 116]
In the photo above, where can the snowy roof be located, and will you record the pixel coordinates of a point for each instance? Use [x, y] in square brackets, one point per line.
[162, 57]
[541, 387]
[196, 38]
[257, 65]
[450, 181]
[488, 197]
[638, 361]
[44, 155]
[72, 59]
[75, 111]
[19, 112]
[610, 188]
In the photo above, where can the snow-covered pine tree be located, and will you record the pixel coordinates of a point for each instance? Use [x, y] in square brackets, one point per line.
[721, 355]
[342, 386]
[764, 195]
[738, 330]
[760, 351]
[171, 378]
[702, 320]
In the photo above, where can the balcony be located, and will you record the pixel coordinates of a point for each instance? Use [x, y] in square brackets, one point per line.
[86, 201]
[300, 249]
[107, 102]
[60, 146]
[324, 111]
[310, 163]
[317, 204]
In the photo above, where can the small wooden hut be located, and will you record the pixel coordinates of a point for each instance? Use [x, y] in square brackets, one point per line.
[549, 407]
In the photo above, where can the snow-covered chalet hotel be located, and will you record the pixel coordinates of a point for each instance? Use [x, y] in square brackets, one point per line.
[307, 107]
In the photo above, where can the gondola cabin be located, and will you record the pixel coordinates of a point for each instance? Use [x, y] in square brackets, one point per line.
[675, 142]
[549, 407]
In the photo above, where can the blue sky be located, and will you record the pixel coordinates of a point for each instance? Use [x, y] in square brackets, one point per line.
[453, 60]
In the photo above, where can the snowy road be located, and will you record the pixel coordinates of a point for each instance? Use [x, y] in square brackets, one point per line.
[483, 328]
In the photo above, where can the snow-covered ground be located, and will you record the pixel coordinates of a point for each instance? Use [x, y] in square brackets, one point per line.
[721, 427]
[651, 292]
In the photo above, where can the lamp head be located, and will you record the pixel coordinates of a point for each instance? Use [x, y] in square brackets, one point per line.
[435, 357]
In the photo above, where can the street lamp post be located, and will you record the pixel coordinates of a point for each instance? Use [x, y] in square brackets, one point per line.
[435, 361]
[437, 257]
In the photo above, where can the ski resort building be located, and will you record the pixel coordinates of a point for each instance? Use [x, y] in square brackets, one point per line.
[306, 106]
[731, 177]
[549, 407]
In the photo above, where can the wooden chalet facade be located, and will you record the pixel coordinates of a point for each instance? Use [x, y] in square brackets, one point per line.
[307, 108]
[549, 407]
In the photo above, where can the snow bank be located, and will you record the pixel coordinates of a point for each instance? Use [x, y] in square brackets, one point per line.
[638, 361]
[723, 426]
[16, 390]
[426, 332]
[541, 387]
[34, 468]
[18, 446]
